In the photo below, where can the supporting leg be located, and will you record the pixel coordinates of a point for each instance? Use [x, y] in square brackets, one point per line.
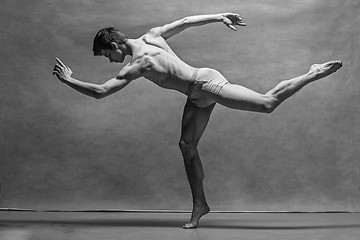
[238, 97]
[194, 122]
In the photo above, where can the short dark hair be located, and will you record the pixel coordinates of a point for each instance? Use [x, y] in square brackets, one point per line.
[104, 38]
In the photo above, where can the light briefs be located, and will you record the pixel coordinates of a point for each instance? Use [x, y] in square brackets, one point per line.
[205, 84]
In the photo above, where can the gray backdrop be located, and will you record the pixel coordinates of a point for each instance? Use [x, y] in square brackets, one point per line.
[61, 149]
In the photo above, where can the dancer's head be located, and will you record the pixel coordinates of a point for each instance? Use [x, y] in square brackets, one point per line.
[110, 42]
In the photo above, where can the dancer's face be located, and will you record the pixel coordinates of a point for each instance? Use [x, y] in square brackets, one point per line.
[115, 54]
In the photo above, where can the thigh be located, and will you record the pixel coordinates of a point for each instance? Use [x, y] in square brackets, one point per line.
[239, 97]
[194, 122]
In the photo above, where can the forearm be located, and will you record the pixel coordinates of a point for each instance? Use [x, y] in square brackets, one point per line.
[198, 20]
[168, 30]
[89, 89]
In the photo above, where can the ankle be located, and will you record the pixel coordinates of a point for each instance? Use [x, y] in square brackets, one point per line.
[201, 207]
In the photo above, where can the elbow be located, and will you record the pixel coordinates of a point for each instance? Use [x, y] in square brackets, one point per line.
[99, 93]
[98, 96]
[185, 21]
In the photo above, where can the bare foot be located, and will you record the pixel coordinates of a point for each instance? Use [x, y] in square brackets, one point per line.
[325, 69]
[197, 213]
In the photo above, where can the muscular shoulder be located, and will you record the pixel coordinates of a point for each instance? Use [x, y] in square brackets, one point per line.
[152, 37]
[154, 32]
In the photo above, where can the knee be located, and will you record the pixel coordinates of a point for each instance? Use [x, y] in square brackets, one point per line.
[188, 149]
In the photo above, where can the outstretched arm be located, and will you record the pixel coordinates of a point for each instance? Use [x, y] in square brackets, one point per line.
[168, 30]
[126, 75]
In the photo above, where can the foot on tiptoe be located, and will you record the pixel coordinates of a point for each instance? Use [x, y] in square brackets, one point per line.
[197, 213]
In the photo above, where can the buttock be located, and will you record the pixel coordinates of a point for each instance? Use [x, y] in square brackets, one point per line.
[207, 84]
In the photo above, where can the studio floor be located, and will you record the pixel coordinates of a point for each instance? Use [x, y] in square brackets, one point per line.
[129, 225]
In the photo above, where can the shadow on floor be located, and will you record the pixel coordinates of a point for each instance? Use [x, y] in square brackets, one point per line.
[172, 223]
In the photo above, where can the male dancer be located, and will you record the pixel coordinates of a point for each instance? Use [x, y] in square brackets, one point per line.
[153, 59]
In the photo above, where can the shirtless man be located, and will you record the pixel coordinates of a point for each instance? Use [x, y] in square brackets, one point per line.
[153, 59]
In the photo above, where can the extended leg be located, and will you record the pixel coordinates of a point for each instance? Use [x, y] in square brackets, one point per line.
[238, 97]
[194, 123]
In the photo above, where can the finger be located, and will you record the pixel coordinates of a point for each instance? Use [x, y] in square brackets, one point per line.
[240, 23]
[57, 68]
[58, 76]
[60, 62]
[239, 20]
[56, 72]
[232, 27]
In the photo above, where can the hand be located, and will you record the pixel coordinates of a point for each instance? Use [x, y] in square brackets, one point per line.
[61, 71]
[231, 19]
